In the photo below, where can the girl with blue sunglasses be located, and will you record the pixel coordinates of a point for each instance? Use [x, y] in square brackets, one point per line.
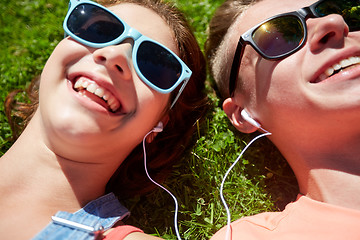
[125, 76]
[291, 70]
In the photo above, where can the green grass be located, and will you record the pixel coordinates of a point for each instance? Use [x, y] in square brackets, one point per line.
[261, 181]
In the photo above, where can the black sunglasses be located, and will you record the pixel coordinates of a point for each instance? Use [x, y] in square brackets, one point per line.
[283, 34]
[95, 26]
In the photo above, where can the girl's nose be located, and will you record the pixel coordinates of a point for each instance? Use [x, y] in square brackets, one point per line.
[115, 57]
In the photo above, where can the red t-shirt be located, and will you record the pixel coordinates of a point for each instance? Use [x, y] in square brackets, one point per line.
[302, 219]
[121, 232]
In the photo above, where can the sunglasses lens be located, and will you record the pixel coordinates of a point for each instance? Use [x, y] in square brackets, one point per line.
[348, 9]
[279, 36]
[158, 65]
[94, 24]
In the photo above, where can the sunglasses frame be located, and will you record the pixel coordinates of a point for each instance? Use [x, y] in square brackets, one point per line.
[302, 15]
[138, 38]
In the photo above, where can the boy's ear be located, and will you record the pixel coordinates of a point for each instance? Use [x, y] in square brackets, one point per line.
[233, 112]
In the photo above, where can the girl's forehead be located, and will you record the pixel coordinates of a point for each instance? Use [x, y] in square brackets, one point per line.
[147, 22]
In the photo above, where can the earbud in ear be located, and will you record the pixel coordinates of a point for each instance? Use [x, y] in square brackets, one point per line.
[249, 119]
[159, 127]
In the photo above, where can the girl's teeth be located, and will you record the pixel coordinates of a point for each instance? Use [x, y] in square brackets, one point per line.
[99, 92]
[114, 106]
[111, 100]
[85, 84]
[106, 95]
[92, 87]
[78, 83]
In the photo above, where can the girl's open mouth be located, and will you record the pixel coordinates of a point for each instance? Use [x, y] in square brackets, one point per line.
[100, 95]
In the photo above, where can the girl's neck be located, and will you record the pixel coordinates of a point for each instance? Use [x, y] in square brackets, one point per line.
[34, 171]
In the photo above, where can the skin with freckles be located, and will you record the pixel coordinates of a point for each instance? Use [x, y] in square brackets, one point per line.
[311, 109]
[93, 111]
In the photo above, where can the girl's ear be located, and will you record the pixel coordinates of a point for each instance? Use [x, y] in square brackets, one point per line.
[233, 112]
[152, 135]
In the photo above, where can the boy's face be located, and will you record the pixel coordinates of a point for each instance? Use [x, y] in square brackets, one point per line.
[295, 96]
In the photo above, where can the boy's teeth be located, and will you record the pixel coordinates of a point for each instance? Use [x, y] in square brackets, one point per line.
[342, 64]
[92, 87]
[329, 71]
[345, 62]
[337, 67]
[322, 77]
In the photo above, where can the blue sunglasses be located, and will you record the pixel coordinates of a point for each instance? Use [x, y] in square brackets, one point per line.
[95, 26]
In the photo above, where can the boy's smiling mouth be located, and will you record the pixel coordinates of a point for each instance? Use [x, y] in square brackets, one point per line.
[338, 67]
[86, 87]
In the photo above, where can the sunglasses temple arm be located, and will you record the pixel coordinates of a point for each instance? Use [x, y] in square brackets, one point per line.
[179, 93]
[235, 66]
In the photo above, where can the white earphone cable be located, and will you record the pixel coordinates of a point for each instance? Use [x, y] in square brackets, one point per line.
[157, 184]
[228, 227]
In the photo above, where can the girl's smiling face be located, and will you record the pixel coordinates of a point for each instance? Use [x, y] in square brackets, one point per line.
[76, 80]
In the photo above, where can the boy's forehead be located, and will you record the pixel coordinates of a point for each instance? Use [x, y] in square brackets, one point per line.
[265, 9]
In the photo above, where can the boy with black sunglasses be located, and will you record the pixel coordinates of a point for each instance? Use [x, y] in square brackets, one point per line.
[291, 68]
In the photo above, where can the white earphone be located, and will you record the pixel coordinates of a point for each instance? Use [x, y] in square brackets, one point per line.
[249, 119]
[246, 116]
[159, 127]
